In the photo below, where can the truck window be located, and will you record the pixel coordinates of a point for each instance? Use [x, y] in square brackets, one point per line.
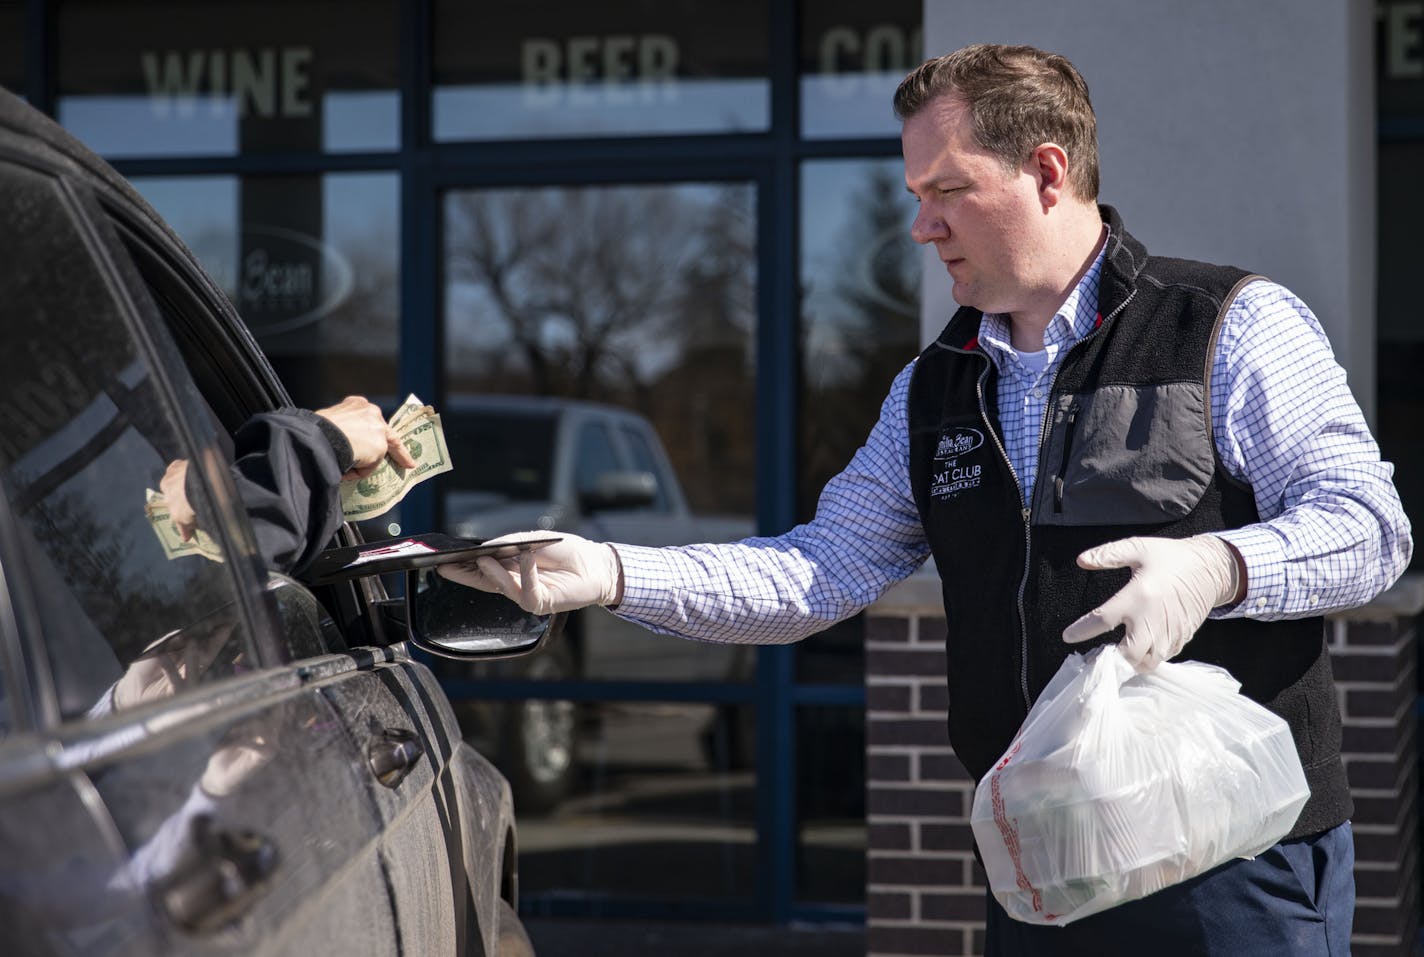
[596, 456]
[507, 455]
[644, 460]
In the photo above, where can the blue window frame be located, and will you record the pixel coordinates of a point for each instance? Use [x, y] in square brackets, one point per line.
[767, 154]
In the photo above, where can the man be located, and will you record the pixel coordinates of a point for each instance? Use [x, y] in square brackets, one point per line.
[1098, 439]
[287, 468]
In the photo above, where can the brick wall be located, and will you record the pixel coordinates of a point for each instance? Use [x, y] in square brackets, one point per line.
[925, 893]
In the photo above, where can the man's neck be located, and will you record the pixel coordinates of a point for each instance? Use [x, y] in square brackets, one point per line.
[1080, 251]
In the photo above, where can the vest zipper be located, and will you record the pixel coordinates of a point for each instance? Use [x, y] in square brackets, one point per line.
[1028, 511]
[1069, 424]
[1025, 513]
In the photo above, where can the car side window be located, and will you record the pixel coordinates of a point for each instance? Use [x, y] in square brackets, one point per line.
[220, 394]
[90, 400]
[645, 460]
[596, 457]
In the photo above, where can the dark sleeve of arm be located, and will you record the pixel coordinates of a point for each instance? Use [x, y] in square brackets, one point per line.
[287, 469]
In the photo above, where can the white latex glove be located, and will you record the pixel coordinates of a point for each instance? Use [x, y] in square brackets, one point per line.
[1176, 582]
[571, 573]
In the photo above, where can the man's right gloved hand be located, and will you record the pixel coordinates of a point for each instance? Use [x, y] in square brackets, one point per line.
[571, 573]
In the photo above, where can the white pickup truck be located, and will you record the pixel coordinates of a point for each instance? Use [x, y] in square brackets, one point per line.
[529, 462]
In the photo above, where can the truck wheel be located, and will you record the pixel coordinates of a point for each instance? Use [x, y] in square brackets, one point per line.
[513, 941]
[538, 739]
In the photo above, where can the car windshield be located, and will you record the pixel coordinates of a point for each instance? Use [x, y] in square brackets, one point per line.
[505, 454]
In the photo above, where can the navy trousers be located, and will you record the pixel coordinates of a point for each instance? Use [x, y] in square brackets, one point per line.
[1297, 899]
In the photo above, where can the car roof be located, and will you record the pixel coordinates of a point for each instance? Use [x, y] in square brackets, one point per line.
[40, 136]
[28, 131]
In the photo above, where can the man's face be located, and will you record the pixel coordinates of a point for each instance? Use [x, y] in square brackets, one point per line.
[985, 223]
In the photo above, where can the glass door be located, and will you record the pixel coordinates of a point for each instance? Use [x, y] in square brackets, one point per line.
[600, 370]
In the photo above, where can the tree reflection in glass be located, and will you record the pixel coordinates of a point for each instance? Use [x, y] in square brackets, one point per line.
[641, 296]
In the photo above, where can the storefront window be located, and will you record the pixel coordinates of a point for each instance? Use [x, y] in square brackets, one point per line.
[310, 262]
[12, 45]
[617, 68]
[1401, 332]
[860, 289]
[641, 297]
[654, 813]
[853, 55]
[221, 78]
[860, 282]
[1399, 59]
[601, 370]
[1399, 82]
[830, 804]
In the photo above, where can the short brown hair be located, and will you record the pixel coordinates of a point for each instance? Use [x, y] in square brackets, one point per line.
[1019, 97]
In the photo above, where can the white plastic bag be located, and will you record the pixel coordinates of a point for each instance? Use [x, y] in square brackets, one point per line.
[1119, 784]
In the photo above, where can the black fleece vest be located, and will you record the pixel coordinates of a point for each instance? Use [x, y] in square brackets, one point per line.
[1126, 450]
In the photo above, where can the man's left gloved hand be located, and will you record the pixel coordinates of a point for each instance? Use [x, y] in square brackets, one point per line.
[571, 573]
[1175, 584]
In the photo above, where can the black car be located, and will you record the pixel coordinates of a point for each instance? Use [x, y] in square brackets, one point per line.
[197, 755]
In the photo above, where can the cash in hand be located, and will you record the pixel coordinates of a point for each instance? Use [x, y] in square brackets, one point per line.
[419, 428]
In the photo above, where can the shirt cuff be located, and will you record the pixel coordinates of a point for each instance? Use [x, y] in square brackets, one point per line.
[646, 571]
[1264, 555]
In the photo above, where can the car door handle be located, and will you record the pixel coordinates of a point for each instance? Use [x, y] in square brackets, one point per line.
[393, 754]
[227, 875]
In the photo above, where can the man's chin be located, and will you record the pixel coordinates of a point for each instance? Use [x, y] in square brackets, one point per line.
[966, 295]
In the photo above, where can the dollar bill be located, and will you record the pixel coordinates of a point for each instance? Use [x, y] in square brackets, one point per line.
[156, 509]
[419, 428]
[410, 410]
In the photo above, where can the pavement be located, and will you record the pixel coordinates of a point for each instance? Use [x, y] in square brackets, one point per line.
[597, 937]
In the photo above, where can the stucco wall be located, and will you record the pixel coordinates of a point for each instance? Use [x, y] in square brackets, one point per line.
[1235, 133]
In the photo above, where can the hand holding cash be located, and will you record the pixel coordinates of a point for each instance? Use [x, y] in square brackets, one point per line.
[177, 539]
[371, 438]
[388, 458]
[173, 491]
[415, 428]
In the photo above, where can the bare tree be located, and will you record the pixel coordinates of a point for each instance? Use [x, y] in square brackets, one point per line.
[580, 282]
[863, 323]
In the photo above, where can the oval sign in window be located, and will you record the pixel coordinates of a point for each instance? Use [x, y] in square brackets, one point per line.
[287, 279]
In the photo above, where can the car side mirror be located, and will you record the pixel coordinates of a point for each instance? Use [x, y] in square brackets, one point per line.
[451, 620]
[618, 490]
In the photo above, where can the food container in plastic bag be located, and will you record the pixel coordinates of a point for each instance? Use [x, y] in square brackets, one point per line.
[1119, 784]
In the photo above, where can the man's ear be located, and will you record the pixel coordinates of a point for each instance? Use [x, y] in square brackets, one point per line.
[1049, 166]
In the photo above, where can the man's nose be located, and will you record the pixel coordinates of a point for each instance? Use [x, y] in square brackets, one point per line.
[928, 226]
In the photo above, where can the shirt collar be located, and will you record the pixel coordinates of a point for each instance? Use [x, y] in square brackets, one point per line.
[1076, 318]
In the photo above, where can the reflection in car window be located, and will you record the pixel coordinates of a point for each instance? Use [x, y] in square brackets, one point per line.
[595, 457]
[130, 610]
[7, 674]
[644, 459]
[304, 626]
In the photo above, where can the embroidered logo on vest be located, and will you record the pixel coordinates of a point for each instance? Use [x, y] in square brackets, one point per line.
[950, 476]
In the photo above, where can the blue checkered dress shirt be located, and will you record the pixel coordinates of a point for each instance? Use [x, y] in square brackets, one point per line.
[1332, 532]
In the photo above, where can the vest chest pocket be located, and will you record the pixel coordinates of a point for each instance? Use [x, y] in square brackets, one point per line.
[1125, 455]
